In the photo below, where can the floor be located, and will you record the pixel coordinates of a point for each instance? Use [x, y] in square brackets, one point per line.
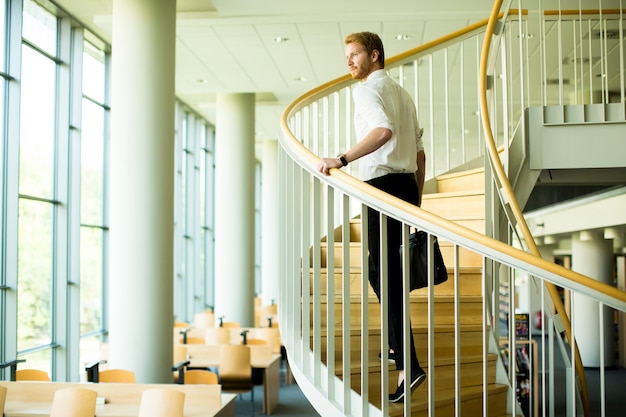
[294, 403]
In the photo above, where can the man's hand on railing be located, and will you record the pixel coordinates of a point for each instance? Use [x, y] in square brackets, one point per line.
[326, 164]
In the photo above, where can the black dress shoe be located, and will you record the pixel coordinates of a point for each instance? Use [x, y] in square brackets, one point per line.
[391, 358]
[417, 377]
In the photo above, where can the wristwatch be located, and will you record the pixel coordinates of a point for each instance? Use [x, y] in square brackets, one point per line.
[343, 159]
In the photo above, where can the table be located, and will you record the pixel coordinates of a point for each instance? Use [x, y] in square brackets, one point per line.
[42, 409]
[34, 399]
[207, 356]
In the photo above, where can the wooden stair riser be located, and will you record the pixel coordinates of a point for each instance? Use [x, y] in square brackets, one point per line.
[470, 402]
[470, 283]
[470, 312]
[471, 375]
[354, 254]
[470, 343]
[456, 206]
[473, 179]
[355, 231]
[467, 258]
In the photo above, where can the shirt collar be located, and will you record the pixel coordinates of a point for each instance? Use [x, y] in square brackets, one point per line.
[379, 73]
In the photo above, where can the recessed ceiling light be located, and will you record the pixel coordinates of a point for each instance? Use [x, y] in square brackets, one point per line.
[279, 39]
[403, 37]
[202, 81]
[300, 79]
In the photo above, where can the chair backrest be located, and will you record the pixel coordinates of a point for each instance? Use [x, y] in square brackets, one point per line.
[204, 320]
[194, 340]
[3, 398]
[235, 362]
[116, 375]
[162, 402]
[74, 402]
[31, 375]
[262, 313]
[217, 336]
[261, 353]
[254, 341]
[271, 335]
[200, 376]
[180, 353]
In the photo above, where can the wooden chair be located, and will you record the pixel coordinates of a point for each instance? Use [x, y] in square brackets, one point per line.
[116, 375]
[74, 402]
[264, 313]
[235, 370]
[204, 320]
[217, 336]
[180, 361]
[271, 335]
[231, 324]
[194, 340]
[162, 402]
[200, 376]
[181, 324]
[31, 375]
[255, 341]
[3, 398]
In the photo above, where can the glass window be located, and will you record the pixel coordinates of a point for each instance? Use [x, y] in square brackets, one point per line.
[91, 267]
[34, 274]
[3, 35]
[93, 73]
[39, 27]
[92, 163]
[37, 124]
[93, 231]
[41, 359]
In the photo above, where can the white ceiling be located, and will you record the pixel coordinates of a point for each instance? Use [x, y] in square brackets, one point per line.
[228, 46]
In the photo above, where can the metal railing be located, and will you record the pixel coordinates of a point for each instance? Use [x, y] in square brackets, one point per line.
[317, 211]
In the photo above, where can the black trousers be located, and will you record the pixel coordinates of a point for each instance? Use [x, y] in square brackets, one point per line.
[404, 187]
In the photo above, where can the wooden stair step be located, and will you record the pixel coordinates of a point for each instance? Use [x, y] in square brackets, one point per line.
[470, 282]
[471, 402]
[470, 179]
[471, 341]
[470, 310]
[447, 204]
[471, 373]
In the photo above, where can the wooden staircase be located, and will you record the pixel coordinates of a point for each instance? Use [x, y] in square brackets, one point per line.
[460, 198]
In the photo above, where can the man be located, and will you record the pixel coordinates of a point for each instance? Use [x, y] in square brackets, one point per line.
[392, 159]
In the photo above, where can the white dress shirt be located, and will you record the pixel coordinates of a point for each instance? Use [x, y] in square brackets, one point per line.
[381, 102]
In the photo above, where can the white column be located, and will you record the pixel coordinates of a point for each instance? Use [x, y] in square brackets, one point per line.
[142, 188]
[269, 227]
[234, 208]
[592, 257]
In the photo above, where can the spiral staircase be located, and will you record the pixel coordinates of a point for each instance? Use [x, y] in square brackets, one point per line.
[330, 318]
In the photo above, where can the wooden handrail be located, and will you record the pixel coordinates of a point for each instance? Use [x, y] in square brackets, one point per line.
[583, 12]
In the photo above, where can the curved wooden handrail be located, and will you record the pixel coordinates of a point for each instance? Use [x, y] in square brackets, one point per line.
[582, 12]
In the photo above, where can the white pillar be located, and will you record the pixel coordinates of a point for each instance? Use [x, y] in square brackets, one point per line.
[142, 188]
[269, 226]
[592, 257]
[234, 208]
